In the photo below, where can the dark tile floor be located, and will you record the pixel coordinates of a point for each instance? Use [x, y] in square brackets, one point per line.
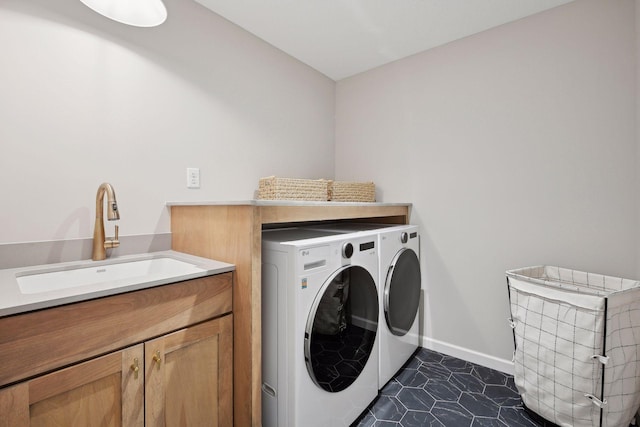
[438, 390]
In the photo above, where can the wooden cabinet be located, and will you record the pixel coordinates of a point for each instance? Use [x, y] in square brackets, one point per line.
[162, 377]
[101, 392]
[233, 233]
[189, 377]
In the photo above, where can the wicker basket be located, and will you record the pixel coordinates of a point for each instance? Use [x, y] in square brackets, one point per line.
[341, 191]
[274, 188]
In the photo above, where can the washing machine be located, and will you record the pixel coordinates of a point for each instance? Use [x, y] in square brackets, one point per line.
[399, 287]
[320, 335]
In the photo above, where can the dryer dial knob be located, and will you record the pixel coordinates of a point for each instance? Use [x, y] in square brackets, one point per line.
[347, 250]
[404, 237]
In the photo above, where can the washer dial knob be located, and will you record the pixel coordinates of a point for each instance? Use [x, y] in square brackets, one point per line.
[347, 250]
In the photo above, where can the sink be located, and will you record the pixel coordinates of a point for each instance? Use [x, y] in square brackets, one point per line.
[38, 287]
[109, 275]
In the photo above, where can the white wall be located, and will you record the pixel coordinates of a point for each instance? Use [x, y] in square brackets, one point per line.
[85, 100]
[637, 106]
[516, 146]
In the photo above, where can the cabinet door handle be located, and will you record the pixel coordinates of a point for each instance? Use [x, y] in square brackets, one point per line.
[157, 358]
[135, 367]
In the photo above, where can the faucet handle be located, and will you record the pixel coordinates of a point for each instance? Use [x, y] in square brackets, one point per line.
[116, 236]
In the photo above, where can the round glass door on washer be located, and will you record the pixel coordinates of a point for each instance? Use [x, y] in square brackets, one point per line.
[320, 312]
[341, 328]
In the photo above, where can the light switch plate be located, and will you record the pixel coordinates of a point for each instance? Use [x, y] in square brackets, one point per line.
[193, 177]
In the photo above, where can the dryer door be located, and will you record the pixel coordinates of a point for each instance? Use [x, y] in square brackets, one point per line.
[341, 328]
[402, 292]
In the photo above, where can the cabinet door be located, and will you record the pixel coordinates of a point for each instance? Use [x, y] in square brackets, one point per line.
[105, 391]
[189, 376]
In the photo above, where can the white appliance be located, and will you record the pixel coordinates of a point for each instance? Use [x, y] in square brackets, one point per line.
[319, 327]
[400, 285]
[399, 290]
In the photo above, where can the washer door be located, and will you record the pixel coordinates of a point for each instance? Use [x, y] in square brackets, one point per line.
[341, 328]
[402, 292]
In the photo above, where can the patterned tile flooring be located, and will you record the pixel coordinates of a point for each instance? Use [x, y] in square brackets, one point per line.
[438, 390]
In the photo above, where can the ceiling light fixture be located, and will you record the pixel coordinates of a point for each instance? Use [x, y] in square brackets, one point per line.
[139, 13]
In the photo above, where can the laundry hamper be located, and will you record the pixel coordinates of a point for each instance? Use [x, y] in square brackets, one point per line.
[577, 345]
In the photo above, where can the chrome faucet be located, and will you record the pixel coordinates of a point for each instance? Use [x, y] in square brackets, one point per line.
[100, 244]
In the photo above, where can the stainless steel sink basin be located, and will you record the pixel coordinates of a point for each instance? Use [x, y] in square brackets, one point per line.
[111, 275]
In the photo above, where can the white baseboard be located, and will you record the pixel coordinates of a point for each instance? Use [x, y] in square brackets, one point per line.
[502, 365]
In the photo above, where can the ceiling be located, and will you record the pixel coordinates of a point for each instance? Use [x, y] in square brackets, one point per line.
[341, 38]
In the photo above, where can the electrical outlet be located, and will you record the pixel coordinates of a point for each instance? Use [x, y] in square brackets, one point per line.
[193, 178]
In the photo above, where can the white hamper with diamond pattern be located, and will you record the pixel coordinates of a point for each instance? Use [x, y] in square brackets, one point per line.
[577, 345]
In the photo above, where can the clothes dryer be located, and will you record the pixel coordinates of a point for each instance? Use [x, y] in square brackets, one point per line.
[400, 287]
[319, 327]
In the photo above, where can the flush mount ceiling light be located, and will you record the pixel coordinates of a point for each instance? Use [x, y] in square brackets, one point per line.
[139, 13]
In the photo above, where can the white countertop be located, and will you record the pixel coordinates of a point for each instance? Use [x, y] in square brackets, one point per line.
[13, 301]
[281, 203]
